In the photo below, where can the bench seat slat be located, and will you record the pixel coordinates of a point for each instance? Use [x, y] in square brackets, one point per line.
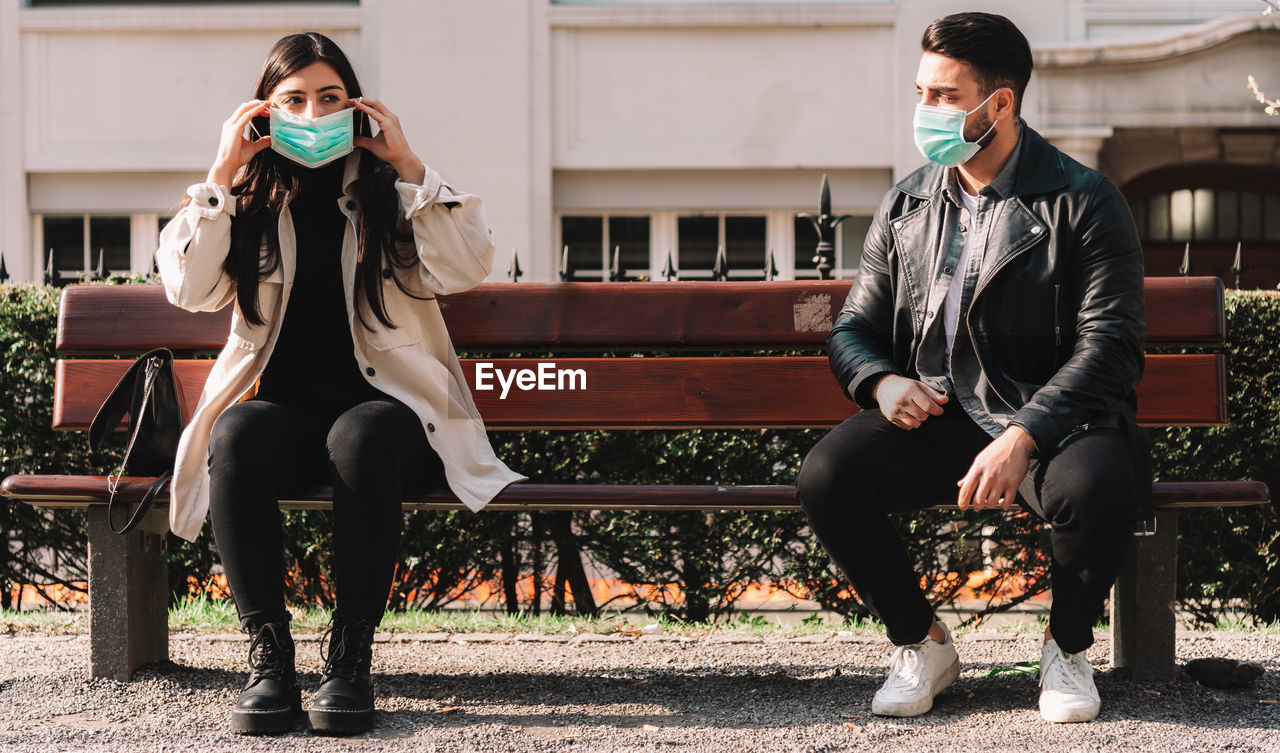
[506, 317]
[82, 491]
[651, 393]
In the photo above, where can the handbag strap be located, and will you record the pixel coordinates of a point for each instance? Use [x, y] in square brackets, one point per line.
[117, 403]
[114, 407]
[143, 506]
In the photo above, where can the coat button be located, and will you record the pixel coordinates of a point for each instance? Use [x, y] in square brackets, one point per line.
[431, 427]
[897, 225]
[351, 205]
[213, 201]
[946, 270]
[1035, 229]
[928, 315]
[370, 371]
[387, 273]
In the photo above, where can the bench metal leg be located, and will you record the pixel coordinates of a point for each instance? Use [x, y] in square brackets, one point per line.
[1142, 616]
[128, 597]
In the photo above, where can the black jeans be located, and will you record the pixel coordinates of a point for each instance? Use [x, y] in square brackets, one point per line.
[370, 450]
[866, 468]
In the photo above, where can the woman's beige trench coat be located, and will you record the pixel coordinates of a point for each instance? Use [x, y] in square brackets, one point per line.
[414, 363]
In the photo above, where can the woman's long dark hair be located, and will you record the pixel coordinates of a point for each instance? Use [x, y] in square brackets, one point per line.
[267, 182]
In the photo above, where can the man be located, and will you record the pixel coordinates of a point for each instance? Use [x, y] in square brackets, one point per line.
[993, 340]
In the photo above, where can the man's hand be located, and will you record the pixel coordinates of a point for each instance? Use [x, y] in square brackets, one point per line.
[997, 471]
[907, 403]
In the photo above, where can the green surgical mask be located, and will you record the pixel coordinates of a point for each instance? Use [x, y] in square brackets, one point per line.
[939, 133]
[312, 142]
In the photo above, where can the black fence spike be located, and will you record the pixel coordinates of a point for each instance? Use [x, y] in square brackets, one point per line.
[48, 270]
[824, 256]
[813, 220]
[616, 272]
[669, 268]
[770, 267]
[513, 269]
[720, 271]
[4, 271]
[566, 272]
[1185, 269]
[1237, 265]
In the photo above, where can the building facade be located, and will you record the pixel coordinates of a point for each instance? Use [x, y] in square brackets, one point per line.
[653, 130]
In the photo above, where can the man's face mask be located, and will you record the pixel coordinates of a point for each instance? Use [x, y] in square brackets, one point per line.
[939, 133]
[312, 142]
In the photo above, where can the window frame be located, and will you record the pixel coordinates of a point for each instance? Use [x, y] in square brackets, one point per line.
[144, 238]
[606, 248]
[664, 235]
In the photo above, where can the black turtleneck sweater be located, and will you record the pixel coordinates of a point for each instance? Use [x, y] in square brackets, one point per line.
[314, 357]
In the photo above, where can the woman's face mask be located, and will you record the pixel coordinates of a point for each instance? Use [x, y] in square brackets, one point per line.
[312, 142]
[939, 134]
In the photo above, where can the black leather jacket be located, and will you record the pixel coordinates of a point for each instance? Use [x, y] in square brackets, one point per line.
[1057, 320]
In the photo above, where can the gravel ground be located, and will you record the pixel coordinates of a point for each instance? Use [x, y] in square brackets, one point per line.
[611, 693]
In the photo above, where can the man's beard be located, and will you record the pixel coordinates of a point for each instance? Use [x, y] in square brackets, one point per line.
[979, 129]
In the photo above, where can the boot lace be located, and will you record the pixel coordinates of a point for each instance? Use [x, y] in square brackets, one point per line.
[343, 646]
[267, 657]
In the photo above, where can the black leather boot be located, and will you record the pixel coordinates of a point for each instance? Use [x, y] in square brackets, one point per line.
[271, 699]
[344, 702]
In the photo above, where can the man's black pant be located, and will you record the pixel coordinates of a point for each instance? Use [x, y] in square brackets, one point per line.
[370, 448]
[1086, 489]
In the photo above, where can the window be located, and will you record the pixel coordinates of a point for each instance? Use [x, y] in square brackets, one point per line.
[699, 239]
[1208, 214]
[745, 247]
[694, 240]
[697, 244]
[592, 240]
[1211, 211]
[76, 243]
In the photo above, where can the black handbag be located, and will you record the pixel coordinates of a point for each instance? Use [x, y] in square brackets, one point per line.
[149, 393]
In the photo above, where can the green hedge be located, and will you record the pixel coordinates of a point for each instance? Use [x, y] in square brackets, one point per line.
[28, 315]
[690, 565]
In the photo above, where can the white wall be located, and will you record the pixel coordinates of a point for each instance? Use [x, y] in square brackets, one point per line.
[540, 107]
[468, 80]
[720, 98]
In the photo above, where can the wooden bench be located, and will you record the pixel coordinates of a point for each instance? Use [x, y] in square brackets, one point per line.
[127, 578]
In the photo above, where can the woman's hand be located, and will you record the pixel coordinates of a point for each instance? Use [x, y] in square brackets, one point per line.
[390, 144]
[235, 151]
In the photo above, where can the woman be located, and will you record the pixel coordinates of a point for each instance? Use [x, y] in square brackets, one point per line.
[332, 244]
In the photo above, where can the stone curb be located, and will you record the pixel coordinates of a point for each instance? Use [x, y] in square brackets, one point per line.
[599, 638]
[465, 638]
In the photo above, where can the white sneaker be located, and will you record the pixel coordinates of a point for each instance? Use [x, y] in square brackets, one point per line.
[917, 673]
[1067, 692]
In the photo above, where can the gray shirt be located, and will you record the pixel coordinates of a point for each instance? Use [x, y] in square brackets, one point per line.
[946, 359]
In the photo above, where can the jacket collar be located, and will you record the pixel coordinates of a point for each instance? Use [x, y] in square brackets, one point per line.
[1039, 170]
[351, 171]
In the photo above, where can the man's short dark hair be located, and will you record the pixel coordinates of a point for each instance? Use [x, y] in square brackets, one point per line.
[995, 50]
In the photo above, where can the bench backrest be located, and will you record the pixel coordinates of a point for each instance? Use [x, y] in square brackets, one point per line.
[694, 390]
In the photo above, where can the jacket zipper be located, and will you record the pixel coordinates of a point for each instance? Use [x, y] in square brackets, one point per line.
[1057, 325]
[968, 323]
